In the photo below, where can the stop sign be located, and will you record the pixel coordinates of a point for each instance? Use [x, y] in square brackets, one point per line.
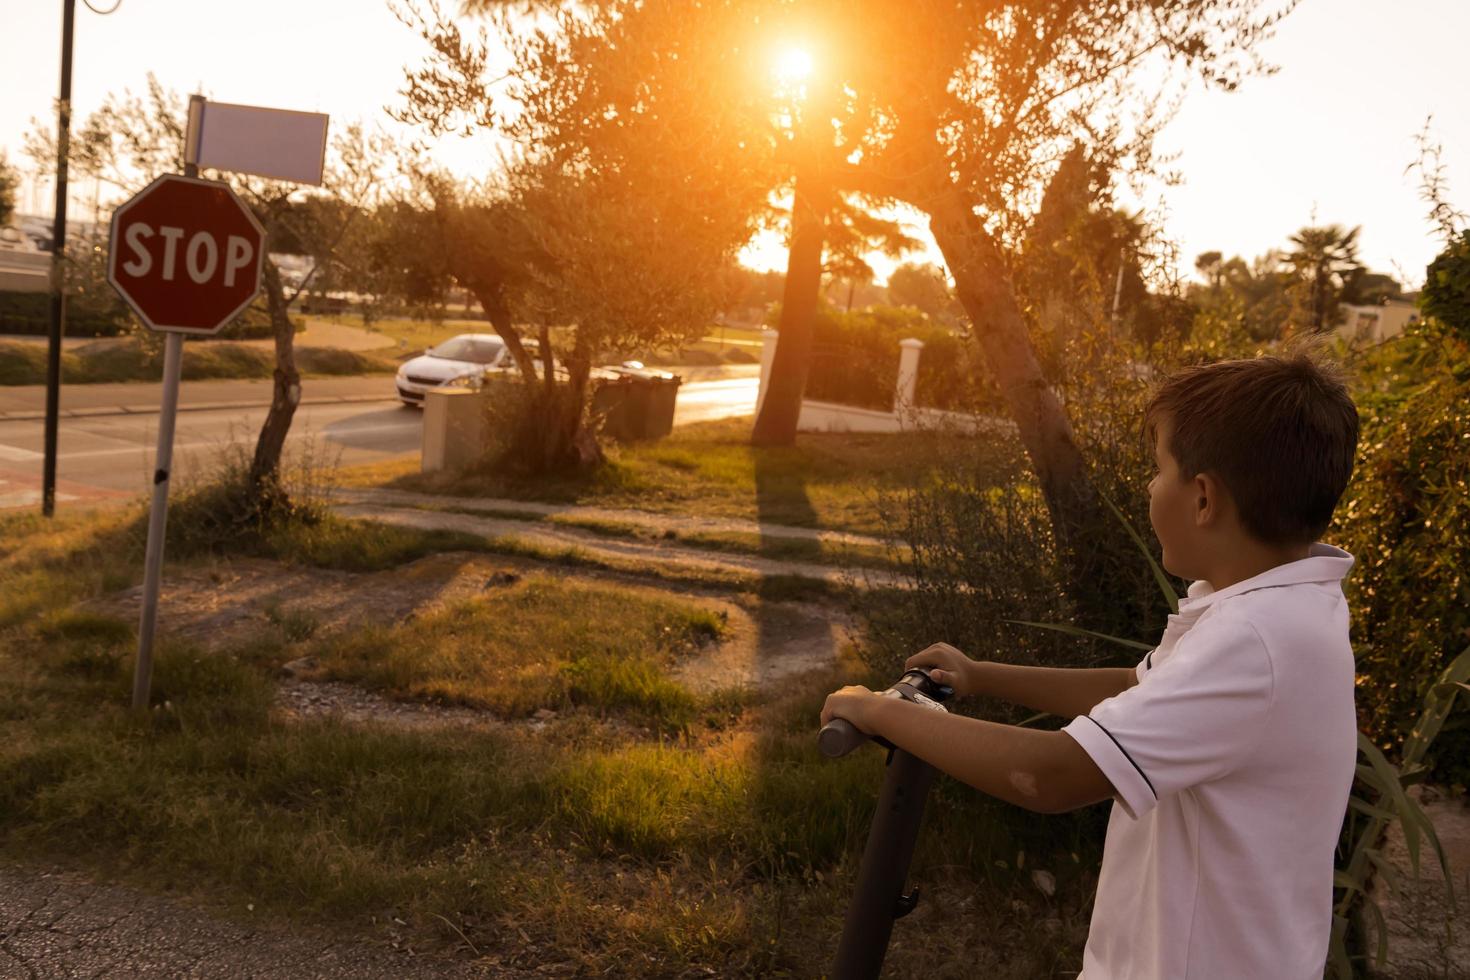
[186, 254]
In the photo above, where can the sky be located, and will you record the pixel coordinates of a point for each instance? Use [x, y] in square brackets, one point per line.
[1327, 138]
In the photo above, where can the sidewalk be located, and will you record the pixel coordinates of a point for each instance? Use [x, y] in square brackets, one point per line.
[28, 402]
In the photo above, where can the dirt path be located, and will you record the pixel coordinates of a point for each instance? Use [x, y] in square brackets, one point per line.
[642, 518]
[1429, 939]
[559, 538]
[225, 604]
[56, 924]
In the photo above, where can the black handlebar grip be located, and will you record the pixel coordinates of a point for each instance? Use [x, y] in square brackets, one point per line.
[839, 737]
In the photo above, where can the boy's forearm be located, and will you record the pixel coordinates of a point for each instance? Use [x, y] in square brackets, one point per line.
[1061, 691]
[1042, 771]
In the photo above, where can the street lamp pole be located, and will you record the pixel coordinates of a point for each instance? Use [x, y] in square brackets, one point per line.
[58, 264]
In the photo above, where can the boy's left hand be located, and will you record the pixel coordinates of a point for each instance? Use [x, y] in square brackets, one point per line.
[852, 703]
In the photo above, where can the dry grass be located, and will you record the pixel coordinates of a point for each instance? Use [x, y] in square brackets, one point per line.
[710, 469]
[593, 846]
[538, 643]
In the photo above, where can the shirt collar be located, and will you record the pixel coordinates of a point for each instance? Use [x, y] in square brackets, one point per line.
[1323, 563]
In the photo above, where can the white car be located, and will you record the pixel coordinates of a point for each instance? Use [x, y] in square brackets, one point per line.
[461, 359]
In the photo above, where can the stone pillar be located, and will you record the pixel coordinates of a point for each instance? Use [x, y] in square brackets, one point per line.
[454, 428]
[768, 355]
[908, 374]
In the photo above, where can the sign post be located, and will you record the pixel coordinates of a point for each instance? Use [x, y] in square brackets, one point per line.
[173, 357]
[186, 255]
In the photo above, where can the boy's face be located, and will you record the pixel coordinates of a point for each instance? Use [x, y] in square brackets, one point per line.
[1173, 510]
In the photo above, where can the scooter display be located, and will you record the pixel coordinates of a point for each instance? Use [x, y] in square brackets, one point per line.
[879, 899]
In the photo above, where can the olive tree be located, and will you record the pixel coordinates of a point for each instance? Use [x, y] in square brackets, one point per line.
[611, 225]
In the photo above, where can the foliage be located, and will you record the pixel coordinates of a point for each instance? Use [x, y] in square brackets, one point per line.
[1082, 265]
[1324, 260]
[1380, 799]
[926, 288]
[1446, 294]
[984, 554]
[128, 359]
[600, 223]
[855, 361]
[1242, 305]
[9, 185]
[1405, 517]
[29, 315]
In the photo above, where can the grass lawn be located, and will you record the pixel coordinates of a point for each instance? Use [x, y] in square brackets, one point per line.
[709, 469]
[415, 335]
[24, 363]
[653, 831]
[544, 643]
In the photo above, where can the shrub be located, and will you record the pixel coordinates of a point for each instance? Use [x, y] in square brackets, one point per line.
[855, 361]
[29, 314]
[24, 363]
[1446, 295]
[1406, 517]
[983, 550]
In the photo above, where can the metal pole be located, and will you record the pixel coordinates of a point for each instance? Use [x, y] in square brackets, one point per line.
[173, 363]
[173, 356]
[58, 267]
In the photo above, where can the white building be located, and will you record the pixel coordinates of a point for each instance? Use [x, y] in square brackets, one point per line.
[1377, 323]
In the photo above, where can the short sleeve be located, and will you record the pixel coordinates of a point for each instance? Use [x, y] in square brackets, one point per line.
[1194, 717]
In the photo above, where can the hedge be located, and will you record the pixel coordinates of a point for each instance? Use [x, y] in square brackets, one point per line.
[29, 315]
[1406, 518]
[855, 359]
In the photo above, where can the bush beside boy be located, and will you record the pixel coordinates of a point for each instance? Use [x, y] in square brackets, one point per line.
[1230, 749]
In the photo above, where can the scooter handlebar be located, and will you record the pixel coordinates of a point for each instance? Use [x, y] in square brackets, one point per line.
[839, 736]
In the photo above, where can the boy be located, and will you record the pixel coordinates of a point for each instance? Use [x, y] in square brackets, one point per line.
[1229, 751]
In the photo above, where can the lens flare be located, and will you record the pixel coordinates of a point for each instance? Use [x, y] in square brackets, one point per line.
[793, 64]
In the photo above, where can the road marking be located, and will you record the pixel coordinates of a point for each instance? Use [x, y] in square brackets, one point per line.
[15, 454]
[28, 498]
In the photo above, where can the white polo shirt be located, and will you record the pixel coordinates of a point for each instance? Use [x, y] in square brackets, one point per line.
[1231, 761]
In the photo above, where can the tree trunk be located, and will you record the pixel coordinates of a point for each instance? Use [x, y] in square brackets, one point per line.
[781, 405]
[498, 313]
[579, 447]
[1086, 531]
[265, 468]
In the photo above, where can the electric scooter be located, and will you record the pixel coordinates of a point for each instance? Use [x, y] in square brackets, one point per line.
[880, 900]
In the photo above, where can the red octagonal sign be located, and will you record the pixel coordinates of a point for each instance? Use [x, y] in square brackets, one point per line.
[186, 254]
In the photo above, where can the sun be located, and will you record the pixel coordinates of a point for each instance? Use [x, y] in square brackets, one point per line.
[793, 64]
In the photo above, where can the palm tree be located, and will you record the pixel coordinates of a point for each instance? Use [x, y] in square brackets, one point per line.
[1323, 258]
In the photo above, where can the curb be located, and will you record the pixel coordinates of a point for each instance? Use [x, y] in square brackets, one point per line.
[86, 413]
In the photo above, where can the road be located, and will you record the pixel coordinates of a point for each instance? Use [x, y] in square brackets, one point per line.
[106, 451]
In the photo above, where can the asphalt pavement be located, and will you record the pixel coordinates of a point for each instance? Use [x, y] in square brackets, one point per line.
[108, 433]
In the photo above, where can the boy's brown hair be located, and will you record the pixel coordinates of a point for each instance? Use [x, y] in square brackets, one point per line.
[1280, 433]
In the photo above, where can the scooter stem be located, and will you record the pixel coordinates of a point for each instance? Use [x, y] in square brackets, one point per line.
[879, 898]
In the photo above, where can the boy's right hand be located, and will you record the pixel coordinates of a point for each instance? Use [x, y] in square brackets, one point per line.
[947, 666]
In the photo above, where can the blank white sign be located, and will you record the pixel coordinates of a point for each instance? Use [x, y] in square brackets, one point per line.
[248, 139]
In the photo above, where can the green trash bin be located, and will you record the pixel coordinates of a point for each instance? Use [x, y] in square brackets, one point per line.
[636, 403]
[663, 392]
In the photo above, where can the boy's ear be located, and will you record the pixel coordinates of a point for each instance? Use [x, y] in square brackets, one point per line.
[1209, 499]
